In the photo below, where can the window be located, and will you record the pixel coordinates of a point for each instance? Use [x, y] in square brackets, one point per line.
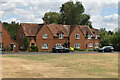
[89, 36]
[90, 44]
[44, 46]
[1, 45]
[58, 44]
[0, 34]
[96, 36]
[96, 45]
[44, 36]
[77, 45]
[61, 36]
[76, 36]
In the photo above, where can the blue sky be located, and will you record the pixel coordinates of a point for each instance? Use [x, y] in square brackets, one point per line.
[109, 11]
[104, 13]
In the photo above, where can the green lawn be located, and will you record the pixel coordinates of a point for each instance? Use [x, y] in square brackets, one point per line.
[61, 65]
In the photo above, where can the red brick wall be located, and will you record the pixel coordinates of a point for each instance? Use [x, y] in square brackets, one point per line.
[78, 41]
[19, 36]
[92, 40]
[51, 41]
[7, 40]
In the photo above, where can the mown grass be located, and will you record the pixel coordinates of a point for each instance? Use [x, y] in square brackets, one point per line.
[75, 65]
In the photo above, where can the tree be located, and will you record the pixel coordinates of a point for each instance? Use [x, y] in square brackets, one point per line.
[26, 43]
[12, 28]
[70, 13]
[52, 17]
[105, 38]
[116, 40]
[73, 14]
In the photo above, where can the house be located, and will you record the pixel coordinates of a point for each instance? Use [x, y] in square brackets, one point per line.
[6, 41]
[46, 36]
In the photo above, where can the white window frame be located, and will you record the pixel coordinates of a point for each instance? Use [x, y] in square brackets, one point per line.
[96, 37]
[95, 45]
[58, 44]
[44, 36]
[61, 36]
[76, 45]
[77, 36]
[89, 36]
[44, 46]
[90, 44]
[0, 34]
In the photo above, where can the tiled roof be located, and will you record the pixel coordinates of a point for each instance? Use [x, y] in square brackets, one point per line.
[30, 29]
[86, 30]
[95, 32]
[59, 28]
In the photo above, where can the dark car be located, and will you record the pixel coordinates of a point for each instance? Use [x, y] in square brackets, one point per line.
[59, 49]
[106, 49]
[2, 50]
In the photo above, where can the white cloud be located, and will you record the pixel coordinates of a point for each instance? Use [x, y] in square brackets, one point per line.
[33, 10]
[94, 9]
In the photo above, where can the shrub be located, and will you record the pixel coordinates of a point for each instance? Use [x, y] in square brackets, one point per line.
[71, 49]
[90, 49]
[29, 50]
[34, 48]
[95, 49]
[80, 49]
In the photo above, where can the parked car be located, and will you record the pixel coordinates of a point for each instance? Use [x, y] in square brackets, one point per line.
[106, 49]
[60, 49]
[2, 50]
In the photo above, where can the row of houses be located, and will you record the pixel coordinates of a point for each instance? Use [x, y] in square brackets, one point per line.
[46, 36]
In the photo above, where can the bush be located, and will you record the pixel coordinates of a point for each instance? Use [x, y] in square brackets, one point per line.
[95, 49]
[90, 49]
[29, 50]
[33, 49]
[71, 49]
[80, 49]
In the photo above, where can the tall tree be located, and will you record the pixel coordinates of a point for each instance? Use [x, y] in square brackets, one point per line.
[73, 14]
[52, 17]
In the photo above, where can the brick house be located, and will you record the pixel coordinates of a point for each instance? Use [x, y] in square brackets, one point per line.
[46, 36]
[6, 40]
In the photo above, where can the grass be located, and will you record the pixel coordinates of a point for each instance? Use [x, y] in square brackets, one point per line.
[61, 65]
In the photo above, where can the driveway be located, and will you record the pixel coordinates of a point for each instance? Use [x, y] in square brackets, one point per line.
[79, 52]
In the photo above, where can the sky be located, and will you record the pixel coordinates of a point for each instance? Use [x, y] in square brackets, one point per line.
[103, 13]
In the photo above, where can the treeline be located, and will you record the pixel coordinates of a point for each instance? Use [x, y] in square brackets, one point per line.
[12, 28]
[110, 38]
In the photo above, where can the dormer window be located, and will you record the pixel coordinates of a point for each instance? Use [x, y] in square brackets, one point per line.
[77, 36]
[61, 36]
[89, 36]
[96, 36]
[44, 36]
[0, 34]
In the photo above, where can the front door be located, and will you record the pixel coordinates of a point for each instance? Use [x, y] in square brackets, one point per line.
[11, 46]
[86, 46]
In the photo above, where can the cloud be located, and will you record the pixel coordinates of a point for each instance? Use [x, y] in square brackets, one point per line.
[94, 9]
[33, 11]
